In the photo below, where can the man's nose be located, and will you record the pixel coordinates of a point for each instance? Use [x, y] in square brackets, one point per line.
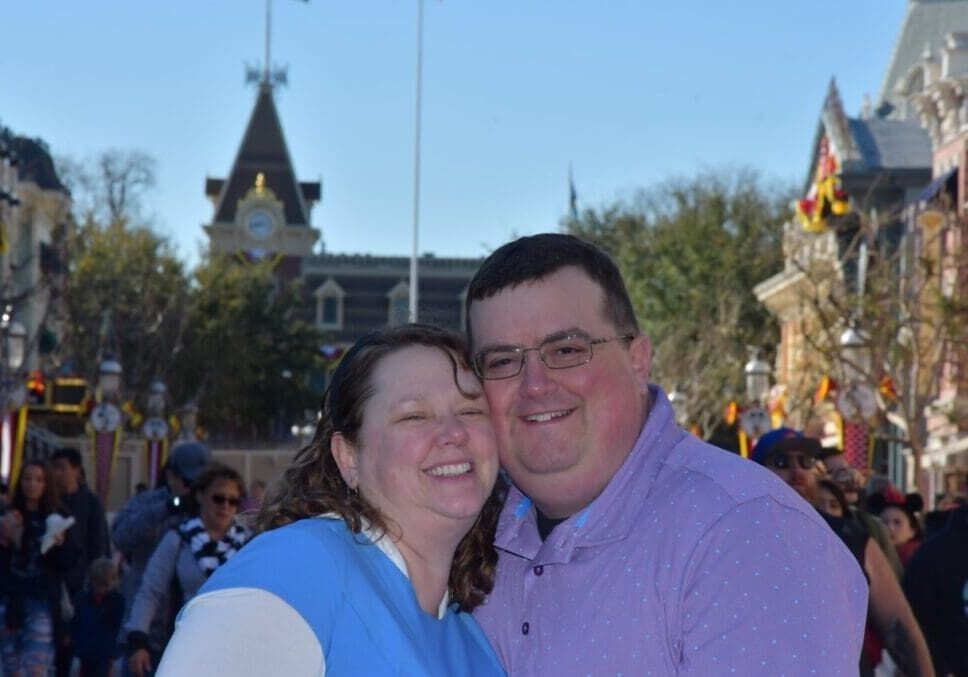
[536, 379]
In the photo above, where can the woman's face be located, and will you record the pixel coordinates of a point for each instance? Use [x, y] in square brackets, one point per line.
[219, 504]
[425, 454]
[32, 482]
[829, 503]
[898, 525]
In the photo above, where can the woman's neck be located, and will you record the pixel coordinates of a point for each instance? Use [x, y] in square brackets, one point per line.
[215, 533]
[32, 504]
[429, 559]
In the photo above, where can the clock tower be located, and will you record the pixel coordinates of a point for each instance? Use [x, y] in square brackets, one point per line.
[261, 209]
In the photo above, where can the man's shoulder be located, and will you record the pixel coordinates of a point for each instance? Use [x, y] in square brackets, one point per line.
[718, 479]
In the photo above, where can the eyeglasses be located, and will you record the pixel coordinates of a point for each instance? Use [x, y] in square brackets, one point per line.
[783, 461]
[557, 352]
[219, 499]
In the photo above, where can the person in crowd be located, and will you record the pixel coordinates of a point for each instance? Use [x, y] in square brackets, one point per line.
[936, 520]
[144, 519]
[257, 492]
[900, 514]
[374, 551]
[936, 583]
[187, 556]
[831, 499]
[851, 481]
[627, 545]
[35, 555]
[793, 457]
[98, 610]
[89, 533]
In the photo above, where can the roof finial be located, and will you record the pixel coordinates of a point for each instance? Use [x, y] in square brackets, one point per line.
[267, 76]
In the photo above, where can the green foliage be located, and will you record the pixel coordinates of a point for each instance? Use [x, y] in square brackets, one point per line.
[691, 251]
[247, 354]
[125, 297]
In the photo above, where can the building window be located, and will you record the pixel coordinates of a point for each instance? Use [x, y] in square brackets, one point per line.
[329, 305]
[398, 302]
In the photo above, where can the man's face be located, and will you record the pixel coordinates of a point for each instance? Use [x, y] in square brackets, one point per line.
[798, 469]
[66, 476]
[562, 433]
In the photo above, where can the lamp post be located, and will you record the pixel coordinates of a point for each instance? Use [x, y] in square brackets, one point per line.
[857, 402]
[755, 419]
[13, 396]
[106, 426]
[155, 431]
[678, 401]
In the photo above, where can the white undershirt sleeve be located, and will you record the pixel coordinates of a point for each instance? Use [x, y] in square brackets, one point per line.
[242, 631]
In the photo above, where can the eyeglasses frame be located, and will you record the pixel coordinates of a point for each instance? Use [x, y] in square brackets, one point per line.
[523, 353]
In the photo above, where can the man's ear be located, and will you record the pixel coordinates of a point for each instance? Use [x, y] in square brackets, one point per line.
[344, 453]
[640, 351]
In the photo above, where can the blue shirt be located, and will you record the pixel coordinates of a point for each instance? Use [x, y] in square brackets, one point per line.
[691, 561]
[313, 598]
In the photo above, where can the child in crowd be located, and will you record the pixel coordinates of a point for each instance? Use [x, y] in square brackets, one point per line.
[98, 611]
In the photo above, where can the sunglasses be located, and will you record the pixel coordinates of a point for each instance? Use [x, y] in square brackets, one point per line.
[783, 461]
[219, 499]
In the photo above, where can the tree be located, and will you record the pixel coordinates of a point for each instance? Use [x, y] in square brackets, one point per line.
[125, 289]
[125, 299]
[902, 285]
[691, 251]
[248, 356]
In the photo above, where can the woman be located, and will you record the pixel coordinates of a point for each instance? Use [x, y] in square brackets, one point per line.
[187, 555]
[375, 551]
[899, 513]
[32, 571]
[832, 499]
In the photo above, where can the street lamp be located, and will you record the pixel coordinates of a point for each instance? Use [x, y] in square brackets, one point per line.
[106, 426]
[678, 401]
[755, 421]
[757, 373]
[13, 393]
[155, 431]
[855, 355]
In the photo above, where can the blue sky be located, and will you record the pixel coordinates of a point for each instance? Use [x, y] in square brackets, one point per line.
[626, 92]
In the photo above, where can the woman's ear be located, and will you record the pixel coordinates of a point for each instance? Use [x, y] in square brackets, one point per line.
[344, 453]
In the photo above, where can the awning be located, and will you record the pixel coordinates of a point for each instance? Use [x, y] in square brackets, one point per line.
[940, 183]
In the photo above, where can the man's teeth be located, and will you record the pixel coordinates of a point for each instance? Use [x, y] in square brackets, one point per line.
[541, 418]
[450, 470]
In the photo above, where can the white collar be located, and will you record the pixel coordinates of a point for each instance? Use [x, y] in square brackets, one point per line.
[390, 549]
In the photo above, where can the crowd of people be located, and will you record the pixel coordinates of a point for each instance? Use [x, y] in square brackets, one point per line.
[517, 500]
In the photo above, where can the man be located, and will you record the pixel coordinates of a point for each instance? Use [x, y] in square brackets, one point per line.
[794, 458]
[627, 545]
[145, 518]
[936, 582]
[89, 533]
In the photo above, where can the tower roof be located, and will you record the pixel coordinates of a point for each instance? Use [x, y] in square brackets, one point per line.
[263, 150]
[925, 26]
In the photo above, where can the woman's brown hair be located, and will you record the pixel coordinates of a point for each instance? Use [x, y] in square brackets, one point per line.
[313, 484]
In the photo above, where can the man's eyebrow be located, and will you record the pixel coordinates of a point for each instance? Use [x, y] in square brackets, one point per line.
[555, 336]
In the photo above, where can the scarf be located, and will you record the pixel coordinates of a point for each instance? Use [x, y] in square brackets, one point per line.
[210, 554]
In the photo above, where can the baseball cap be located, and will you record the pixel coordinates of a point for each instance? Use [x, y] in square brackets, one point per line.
[784, 439]
[188, 459]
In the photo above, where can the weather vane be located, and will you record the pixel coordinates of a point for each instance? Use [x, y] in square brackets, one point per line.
[267, 75]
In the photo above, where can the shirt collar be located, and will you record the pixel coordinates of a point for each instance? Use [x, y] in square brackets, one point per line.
[611, 516]
[386, 545]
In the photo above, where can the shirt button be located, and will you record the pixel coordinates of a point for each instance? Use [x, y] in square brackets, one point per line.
[538, 570]
[526, 628]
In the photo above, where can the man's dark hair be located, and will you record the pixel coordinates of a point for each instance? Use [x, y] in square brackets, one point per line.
[72, 455]
[535, 257]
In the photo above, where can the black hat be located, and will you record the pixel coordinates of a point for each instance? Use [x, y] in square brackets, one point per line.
[784, 439]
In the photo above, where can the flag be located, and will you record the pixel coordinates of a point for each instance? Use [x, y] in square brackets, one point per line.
[572, 195]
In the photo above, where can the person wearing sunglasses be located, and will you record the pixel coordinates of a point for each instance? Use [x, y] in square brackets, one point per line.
[793, 457]
[187, 555]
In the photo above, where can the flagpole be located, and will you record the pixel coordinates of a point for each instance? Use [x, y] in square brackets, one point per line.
[416, 168]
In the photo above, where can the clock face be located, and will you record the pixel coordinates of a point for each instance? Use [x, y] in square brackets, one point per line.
[858, 401]
[260, 224]
[105, 418]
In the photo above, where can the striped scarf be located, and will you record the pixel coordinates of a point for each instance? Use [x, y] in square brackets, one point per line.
[210, 554]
